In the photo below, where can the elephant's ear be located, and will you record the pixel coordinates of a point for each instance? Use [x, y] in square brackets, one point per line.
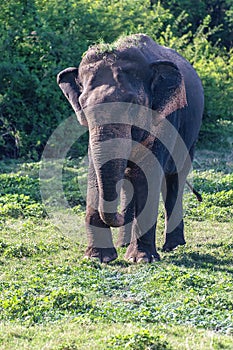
[168, 89]
[68, 82]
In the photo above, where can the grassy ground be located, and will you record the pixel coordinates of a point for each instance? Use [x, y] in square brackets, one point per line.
[50, 298]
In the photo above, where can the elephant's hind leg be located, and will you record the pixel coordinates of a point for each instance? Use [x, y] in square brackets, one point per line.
[142, 247]
[172, 191]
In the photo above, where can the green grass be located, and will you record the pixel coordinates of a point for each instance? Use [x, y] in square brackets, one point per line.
[51, 298]
[122, 42]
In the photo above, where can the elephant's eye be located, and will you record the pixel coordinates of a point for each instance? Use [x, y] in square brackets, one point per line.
[129, 71]
[131, 75]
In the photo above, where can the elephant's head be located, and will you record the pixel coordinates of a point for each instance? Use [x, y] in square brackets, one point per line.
[126, 76]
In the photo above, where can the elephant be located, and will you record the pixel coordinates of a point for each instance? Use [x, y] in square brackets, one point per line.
[142, 104]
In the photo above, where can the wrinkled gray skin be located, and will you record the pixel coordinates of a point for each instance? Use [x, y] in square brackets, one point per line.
[138, 72]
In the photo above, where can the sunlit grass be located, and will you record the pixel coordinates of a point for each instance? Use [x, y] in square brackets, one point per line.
[51, 298]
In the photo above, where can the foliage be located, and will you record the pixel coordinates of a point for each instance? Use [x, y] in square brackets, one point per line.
[138, 341]
[39, 38]
[216, 74]
[20, 196]
[50, 295]
[197, 10]
[49, 304]
[20, 193]
[217, 195]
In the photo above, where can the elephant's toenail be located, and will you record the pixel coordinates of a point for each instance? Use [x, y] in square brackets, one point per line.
[143, 260]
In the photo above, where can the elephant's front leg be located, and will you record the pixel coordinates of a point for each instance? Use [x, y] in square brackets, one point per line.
[142, 247]
[100, 243]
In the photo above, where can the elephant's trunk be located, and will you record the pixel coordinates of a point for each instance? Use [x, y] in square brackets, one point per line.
[110, 147]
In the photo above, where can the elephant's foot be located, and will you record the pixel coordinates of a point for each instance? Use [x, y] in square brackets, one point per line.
[105, 255]
[141, 253]
[173, 240]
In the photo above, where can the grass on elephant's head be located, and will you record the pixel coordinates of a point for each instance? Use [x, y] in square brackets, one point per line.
[124, 41]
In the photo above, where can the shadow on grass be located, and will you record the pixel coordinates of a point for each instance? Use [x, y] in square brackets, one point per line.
[121, 263]
[202, 260]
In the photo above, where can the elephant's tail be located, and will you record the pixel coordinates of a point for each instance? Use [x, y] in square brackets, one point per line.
[197, 194]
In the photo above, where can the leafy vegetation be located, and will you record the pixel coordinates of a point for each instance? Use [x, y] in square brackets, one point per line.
[39, 38]
[21, 198]
[51, 297]
[138, 341]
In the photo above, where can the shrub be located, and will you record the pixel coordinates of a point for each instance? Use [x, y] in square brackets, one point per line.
[138, 341]
[40, 38]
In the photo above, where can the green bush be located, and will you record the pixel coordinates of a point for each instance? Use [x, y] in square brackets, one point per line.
[19, 184]
[16, 206]
[220, 12]
[138, 341]
[39, 38]
[20, 196]
[217, 196]
[36, 306]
